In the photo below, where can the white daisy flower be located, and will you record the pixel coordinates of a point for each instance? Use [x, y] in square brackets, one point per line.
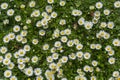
[42, 32]
[29, 71]
[57, 44]
[116, 42]
[88, 25]
[1, 59]
[45, 47]
[111, 60]
[37, 71]
[106, 11]
[34, 59]
[21, 66]
[3, 49]
[87, 55]
[54, 14]
[70, 43]
[62, 3]
[117, 4]
[7, 73]
[99, 5]
[35, 41]
[81, 21]
[27, 47]
[13, 78]
[62, 22]
[4, 5]
[79, 54]
[94, 63]
[110, 25]
[10, 12]
[115, 74]
[64, 39]
[64, 59]
[50, 1]
[49, 59]
[16, 28]
[18, 18]
[32, 4]
[79, 46]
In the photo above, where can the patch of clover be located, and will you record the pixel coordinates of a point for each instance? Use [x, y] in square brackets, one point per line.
[45, 43]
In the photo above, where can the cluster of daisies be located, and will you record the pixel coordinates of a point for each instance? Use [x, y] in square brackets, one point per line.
[61, 43]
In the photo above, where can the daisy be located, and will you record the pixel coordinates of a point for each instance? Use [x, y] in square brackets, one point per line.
[20, 60]
[32, 4]
[11, 65]
[13, 78]
[86, 68]
[34, 59]
[79, 46]
[99, 5]
[110, 25]
[35, 41]
[55, 56]
[48, 8]
[38, 24]
[92, 46]
[52, 65]
[23, 33]
[79, 54]
[28, 21]
[7, 73]
[50, 1]
[42, 32]
[116, 42]
[117, 4]
[37, 71]
[81, 21]
[21, 52]
[18, 18]
[6, 39]
[57, 44]
[76, 12]
[10, 12]
[88, 25]
[64, 59]
[106, 11]
[111, 60]
[16, 28]
[64, 39]
[76, 41]
[49, 59]
[67, 31]
[94, 63]
[8, 55]
[3, 49]
[103, 24]
[62, 3]
[70, 43]
[87, 55]
[54, 14]
[1, 59]
[4, 5]
[111, 52]
[45, 47]
[98, 46]
[72, 56]
[21, 66]
[39, 78]
[62, 22]
[29, 71]
[27, 47]
[115, 74]
[11, 36]
[108, 48]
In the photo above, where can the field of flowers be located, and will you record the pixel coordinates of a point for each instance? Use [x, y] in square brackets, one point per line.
[59, 40]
